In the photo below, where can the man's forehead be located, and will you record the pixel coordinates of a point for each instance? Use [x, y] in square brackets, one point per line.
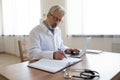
[58, 13]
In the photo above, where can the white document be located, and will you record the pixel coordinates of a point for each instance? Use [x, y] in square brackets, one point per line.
[94, 51]
[52, 65]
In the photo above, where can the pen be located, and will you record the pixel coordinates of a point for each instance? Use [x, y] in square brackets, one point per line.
[63, 54]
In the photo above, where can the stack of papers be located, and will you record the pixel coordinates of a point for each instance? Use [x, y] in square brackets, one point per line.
[93, 51]
[52, 65]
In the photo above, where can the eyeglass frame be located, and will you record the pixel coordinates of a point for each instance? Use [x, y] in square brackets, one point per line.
[55, 18]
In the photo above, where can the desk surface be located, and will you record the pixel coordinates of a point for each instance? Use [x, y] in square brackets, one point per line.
[106, 63]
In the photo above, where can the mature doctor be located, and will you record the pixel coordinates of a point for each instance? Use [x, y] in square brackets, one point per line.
[45, 39]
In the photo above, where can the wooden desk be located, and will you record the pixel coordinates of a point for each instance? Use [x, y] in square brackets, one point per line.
[106, 63]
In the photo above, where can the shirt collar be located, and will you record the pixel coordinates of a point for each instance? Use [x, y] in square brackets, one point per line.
[43, 26]
[49, 27]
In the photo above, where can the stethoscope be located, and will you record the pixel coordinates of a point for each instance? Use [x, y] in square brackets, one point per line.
[83, 73]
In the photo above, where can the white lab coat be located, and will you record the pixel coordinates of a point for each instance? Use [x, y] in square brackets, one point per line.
[43, 43]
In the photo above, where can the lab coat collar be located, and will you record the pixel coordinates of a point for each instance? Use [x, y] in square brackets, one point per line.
[43, 26]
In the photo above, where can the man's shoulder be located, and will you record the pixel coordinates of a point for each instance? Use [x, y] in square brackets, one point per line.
[36, 28]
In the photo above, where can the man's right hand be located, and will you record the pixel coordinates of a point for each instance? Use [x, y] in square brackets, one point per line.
[58, 55]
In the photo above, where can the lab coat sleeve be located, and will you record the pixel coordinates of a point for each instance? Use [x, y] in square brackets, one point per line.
[62, 46]
[35, 51]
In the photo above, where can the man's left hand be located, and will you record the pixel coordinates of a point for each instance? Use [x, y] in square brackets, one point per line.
[71, 51]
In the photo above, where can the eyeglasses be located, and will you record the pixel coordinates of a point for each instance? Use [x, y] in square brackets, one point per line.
[55, 18]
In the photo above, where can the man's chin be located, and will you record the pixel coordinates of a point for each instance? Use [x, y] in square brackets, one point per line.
[54, 26]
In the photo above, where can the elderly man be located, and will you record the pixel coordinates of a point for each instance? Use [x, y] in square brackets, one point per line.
[45, 39]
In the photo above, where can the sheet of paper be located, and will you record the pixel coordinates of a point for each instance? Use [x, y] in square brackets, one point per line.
[52, 65]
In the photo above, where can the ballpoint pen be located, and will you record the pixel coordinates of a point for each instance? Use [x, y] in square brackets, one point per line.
[63, 54]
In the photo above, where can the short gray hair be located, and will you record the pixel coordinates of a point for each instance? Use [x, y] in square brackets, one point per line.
[56, 7]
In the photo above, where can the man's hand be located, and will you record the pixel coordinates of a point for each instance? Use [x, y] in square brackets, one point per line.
[71, 51]
[58, 55]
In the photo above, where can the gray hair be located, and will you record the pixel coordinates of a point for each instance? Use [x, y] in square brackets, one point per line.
[56, 7]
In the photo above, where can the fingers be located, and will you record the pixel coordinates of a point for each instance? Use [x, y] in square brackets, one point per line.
[76, 50]
[58, 55]
[72, 51]
[69, 50]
